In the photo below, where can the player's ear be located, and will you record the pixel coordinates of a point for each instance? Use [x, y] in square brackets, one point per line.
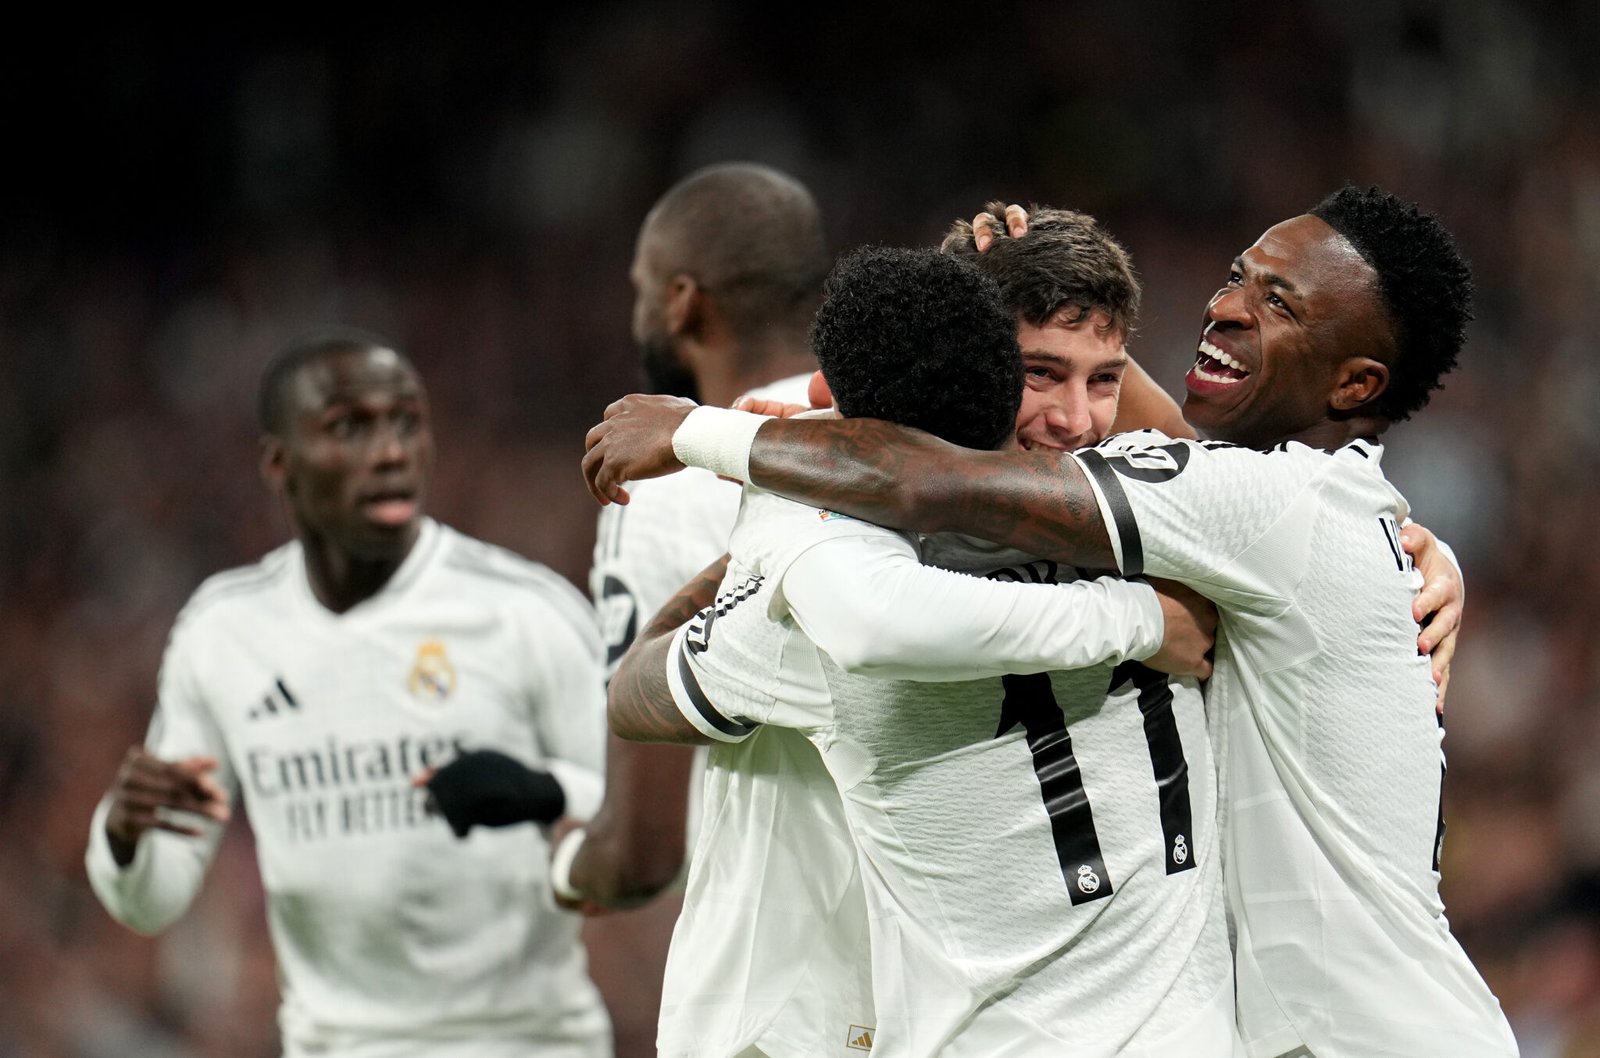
[817, 391]
[274, 462]
[685, 305]
[1360, 380]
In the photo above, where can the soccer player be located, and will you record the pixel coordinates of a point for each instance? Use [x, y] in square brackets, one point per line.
[317, 684]
[995, 926]
[727, 273]
[1330, 326]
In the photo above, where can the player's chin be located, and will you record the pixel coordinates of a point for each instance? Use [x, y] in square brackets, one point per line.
[379, 540]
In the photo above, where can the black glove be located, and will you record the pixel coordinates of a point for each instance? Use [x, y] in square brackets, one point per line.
[485, 787]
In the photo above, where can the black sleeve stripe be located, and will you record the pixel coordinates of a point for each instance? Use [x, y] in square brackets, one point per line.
[1121, 511]
[703, 704]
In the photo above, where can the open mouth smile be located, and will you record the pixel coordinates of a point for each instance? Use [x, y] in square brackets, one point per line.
[1217, 367]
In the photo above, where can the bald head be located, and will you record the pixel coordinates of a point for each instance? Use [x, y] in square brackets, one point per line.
[750, 236]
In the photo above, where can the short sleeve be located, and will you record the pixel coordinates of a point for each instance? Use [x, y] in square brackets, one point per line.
[1229, 521]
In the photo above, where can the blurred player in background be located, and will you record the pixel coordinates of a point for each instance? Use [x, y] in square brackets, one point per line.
[1334, 324]
[727, 274]
[1007, 915]
[318, 684]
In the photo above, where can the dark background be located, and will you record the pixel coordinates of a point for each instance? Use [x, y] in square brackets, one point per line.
[177, 199]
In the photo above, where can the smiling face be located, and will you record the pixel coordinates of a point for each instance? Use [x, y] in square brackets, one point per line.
[1295, 343]
[356, 452]
[1072, 377]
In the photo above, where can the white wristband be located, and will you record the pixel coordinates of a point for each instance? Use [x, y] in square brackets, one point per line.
[718, 440]
[561, 864]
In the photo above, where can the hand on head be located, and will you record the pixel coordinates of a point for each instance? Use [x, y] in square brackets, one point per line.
[985, 223]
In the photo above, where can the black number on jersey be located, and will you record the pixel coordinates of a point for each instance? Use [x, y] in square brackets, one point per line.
[1155, 464]
[1391, 536]
[1167, 762]
[1031, 702]
[619, 620]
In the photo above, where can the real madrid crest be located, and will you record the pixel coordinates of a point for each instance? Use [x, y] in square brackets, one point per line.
[432, 675]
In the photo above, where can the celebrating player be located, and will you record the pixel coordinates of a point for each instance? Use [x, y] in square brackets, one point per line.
[988, 929]
[1332, 325]
[318, 684]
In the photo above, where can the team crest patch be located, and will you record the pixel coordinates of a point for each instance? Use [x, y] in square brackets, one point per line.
[828, 516]
[432, 675]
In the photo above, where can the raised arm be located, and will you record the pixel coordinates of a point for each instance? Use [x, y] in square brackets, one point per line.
[1040, 503]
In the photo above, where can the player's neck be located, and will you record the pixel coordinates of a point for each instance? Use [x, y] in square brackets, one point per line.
[723, 380]
[1330, 435]
[340, 580]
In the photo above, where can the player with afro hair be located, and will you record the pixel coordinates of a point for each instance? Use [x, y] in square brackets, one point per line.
[1425, 285]
[921, 339]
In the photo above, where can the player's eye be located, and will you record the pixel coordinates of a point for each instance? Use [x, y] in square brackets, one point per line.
[1235, 277]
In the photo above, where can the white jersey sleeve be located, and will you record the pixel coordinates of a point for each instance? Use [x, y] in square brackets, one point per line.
[1176, 509]
[875, 610]
[801, 577]
[152, 891]
[563, 675]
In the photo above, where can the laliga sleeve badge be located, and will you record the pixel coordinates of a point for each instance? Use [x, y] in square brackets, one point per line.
[432, 675]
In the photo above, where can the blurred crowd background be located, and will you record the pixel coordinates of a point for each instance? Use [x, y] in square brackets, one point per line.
[180, 199]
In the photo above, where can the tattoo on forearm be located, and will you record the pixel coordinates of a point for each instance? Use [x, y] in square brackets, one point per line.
[641, 708]
[690, 600]
[1036, 501]
[640, 705]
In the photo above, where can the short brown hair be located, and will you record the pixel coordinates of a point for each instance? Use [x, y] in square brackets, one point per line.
[1066, 261]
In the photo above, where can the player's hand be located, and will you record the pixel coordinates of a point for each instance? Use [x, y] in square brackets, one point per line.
[985, 224]
[484, 787]
[1438, 606]
[1191, 631]
[775, 408]
[147, 788]
[632, 442]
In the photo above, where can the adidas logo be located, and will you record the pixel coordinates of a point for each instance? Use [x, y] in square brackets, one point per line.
[276, 700]
[860, 1038]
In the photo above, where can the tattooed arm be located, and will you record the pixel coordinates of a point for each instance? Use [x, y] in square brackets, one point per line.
[1040, 503]
[640, 706]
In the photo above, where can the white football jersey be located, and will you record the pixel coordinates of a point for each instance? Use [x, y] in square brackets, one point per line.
[788, 976]
[1040, 852]
[392, 937]
[1328, 746]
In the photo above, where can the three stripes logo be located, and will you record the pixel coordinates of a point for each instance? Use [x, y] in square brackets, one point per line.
[276, 700]
[699, 636]
[859, 1038]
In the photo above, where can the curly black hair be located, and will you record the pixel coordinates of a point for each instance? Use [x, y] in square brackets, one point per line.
[922, 339]
[1425, 284]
